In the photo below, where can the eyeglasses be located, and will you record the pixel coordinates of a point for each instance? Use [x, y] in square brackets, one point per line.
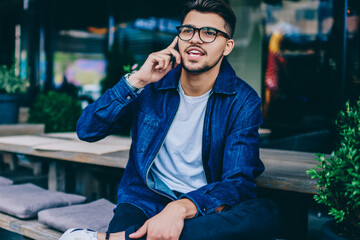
[206, 34]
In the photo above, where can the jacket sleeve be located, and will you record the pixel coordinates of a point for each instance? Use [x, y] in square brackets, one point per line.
[105, 114]
[241, 163]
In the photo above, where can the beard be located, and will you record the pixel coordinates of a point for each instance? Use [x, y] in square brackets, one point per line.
[206, 67]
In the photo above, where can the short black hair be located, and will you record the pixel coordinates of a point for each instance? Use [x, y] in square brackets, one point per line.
[213, 6]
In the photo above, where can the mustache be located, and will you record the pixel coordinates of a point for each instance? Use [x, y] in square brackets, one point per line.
[196, 47]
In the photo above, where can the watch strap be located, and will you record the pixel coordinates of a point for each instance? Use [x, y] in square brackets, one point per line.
[135, 89]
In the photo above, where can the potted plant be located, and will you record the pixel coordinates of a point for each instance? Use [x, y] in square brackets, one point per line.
[11, 88]
[58, 111]
[338, 178]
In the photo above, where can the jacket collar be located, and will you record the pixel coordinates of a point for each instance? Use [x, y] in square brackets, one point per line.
[224, 83]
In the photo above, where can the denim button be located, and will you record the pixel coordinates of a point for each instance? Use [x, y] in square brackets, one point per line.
[204, 209]
[128, 97]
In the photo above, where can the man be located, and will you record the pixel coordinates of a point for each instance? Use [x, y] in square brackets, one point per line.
[195, 153]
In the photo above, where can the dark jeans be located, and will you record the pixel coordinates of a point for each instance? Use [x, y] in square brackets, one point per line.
[251, 219]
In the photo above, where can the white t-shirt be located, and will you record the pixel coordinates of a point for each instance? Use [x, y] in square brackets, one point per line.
[179, 161]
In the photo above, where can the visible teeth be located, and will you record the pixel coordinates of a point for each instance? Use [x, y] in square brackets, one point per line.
[194, 52]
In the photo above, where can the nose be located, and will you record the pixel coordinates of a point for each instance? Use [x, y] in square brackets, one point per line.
[196, 37]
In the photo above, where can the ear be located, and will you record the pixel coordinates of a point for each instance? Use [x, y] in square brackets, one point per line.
[229, 47]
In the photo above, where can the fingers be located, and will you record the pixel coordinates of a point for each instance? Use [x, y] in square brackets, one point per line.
[176, 55]
[139, 233]
[173, 51]
[174, 42]
[162, 61]
[158, 64]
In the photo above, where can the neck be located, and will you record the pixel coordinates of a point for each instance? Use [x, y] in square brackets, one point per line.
[199, 84]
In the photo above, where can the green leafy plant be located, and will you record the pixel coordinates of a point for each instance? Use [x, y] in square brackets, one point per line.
[128, 68]
[58, 111]
[339, 175]
[11, 83]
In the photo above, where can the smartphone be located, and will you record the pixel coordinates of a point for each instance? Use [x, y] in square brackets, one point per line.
[173, 59]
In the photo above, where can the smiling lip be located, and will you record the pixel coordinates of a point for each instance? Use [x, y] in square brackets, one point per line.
[195, 49]
[195, 52]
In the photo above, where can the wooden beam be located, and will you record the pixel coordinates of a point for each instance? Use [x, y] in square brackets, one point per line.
[29, 228]
[56, 180]
[21, 129]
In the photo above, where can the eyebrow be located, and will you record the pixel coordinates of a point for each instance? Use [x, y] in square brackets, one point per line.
[189, 25]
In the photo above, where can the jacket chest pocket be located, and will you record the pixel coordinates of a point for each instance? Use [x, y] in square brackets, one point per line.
[147, 130]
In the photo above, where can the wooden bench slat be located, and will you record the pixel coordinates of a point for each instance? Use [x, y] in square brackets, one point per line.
[29, 228]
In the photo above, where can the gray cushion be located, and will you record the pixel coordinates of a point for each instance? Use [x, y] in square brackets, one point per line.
[26, 200]
[95, 215]
[5, 181]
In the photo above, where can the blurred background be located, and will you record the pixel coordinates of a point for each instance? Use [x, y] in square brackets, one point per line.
[301, 56]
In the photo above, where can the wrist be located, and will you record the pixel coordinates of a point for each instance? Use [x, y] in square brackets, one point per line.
[131, 85]
[135, 81]
[118, 235]
[186, 208]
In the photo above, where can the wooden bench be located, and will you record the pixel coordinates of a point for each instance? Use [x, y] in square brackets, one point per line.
[28, 228]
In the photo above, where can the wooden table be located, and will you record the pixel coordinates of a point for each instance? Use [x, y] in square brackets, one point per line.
[20, 129]
[285, 170]
[35, 145]
[264, 133]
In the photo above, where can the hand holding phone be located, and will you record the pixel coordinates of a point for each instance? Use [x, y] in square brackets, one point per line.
[157, 65]
[173, 59]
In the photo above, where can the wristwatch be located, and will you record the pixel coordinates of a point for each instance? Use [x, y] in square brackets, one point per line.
[135, 89]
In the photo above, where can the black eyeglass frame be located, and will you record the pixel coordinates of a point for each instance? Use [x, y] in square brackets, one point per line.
[199, 29]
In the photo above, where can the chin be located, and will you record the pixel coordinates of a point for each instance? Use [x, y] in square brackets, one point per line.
[196, 70]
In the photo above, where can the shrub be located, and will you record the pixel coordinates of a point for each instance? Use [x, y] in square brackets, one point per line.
[10, 83]
[58, 111]
[339, 175]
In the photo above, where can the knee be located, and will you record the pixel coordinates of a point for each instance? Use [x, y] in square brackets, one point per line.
[266, 209]
[262, 217]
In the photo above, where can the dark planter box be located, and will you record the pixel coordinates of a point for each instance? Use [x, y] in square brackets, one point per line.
[327, 232]
[9, 108]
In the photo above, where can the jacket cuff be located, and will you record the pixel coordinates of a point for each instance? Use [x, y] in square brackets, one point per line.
[123, 91]
[197, 206]
[202, 202]
[131, 230]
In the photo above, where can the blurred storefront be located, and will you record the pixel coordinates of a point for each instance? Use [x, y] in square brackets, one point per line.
[66, 44]
[310, 62]
[301, 56]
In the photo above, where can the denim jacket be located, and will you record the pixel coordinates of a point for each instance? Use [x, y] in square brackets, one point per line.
[230, 146]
